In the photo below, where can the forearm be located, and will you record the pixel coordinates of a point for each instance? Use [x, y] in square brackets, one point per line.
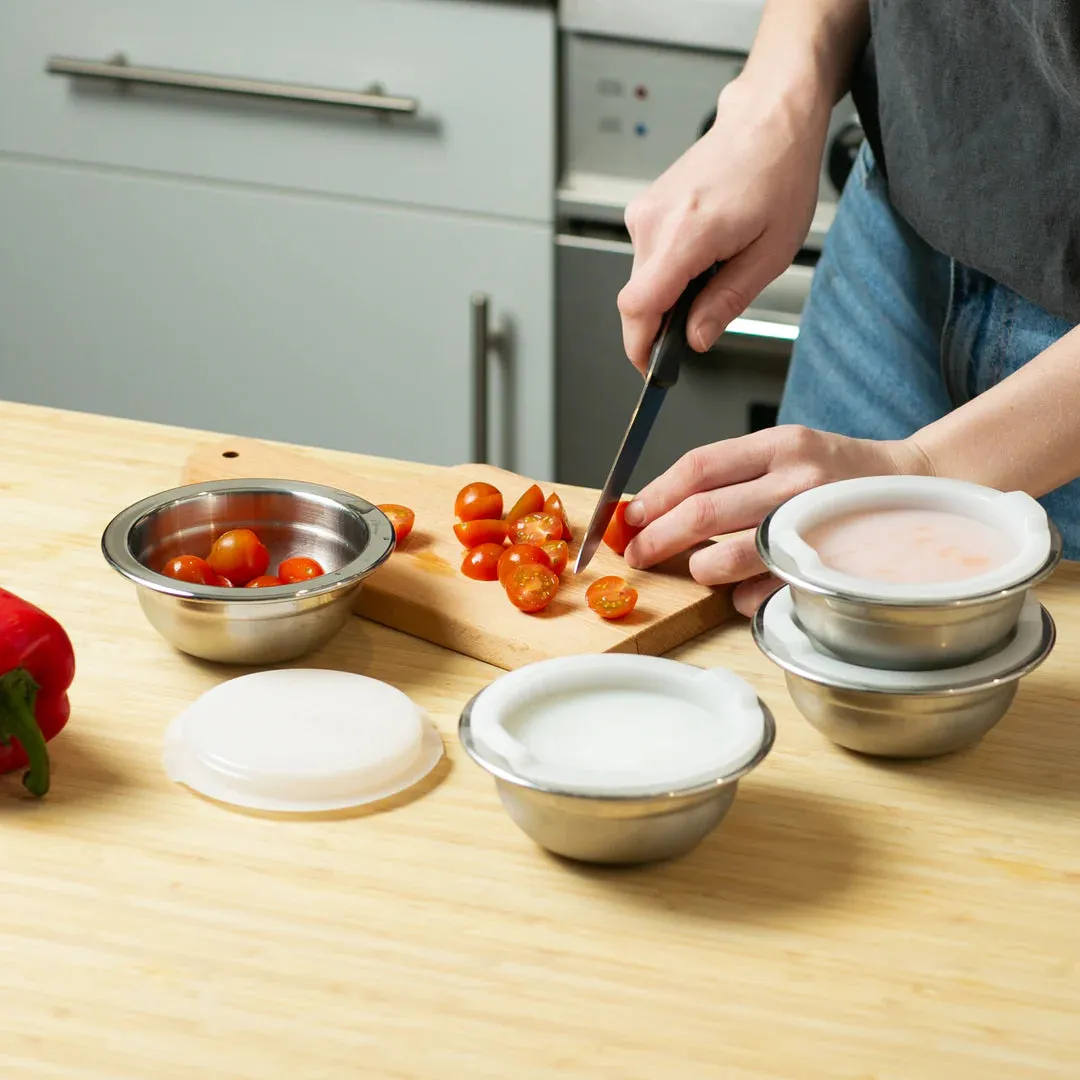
[1022, 434]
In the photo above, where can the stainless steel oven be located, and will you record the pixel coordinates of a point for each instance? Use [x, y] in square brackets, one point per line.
[630, 106]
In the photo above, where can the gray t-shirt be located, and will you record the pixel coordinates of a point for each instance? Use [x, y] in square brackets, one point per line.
[972, 108]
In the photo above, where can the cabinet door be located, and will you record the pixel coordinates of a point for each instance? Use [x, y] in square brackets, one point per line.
[289, 317]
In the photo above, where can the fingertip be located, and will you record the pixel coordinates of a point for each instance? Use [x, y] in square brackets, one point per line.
[635, 514]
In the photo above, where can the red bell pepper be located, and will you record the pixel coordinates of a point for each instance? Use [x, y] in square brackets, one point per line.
[37, 665]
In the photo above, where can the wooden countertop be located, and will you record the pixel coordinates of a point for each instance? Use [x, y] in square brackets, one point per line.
[848, 919]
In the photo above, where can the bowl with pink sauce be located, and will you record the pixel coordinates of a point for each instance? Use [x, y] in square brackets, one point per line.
[909, 572]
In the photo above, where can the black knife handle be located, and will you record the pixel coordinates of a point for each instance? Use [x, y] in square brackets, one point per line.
[671, 346]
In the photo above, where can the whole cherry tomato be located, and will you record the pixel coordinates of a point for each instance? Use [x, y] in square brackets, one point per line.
[531, 502]
[265, 581]
[190, 568]
[481, 563]
[536, 529]
[401, 517]
[558, 553]
[239, 555]
[531, 587]
[472, 534]
[299, 568]
[222, 582]
[618, 534]
[518, 554]
[553, 505]
[611, 597]
[477, 501]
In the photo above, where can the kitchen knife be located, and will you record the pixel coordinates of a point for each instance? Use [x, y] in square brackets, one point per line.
[668, 352]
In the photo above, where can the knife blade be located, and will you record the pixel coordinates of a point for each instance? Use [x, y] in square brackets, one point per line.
[669, 350]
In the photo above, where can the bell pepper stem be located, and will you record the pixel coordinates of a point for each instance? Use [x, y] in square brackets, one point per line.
[18, 692]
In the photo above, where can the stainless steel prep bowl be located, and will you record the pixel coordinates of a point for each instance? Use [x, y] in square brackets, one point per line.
[909, 635]
[613, 829]
[917, 724]
[349, 536]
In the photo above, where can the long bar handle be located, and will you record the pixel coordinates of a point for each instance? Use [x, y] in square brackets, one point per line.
[484, 341]
[117, 69]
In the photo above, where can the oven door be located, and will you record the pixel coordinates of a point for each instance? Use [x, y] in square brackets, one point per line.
[731, 390]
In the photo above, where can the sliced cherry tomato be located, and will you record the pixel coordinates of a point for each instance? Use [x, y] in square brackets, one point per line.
[401, 517]
[472, 534]
[190, 568]
[518, 554]
[481, 563]
[265, 581]
[611, 597]
[536, 529]
[553, 505]
[223, 582]
[532, 502]
[618, 534]
[299, 568]
[478, 501]
[558, 553]
[239, 555]
[531, 587]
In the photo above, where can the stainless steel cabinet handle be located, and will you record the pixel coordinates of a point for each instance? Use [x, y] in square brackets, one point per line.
[117, 69]
[484, 342]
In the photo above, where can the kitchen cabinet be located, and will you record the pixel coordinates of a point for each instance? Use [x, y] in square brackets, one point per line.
[277, 268]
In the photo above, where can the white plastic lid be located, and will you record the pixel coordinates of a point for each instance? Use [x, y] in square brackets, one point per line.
[1015, 513]
[788, 643]
[617, 724]
[301, 740]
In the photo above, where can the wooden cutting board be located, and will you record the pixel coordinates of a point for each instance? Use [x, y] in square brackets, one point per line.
[421, 589]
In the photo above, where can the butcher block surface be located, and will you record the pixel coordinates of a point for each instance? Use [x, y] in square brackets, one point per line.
[422, 591]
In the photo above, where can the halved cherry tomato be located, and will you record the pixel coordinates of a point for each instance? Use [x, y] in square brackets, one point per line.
[558, 553]
[472, 534]
[536, 529]
[532, 502]
[299, 568]
[481, 563]
[239, 555]
[531, 587]
[618, 534]
[553, 505]
[266, 581]
[611, 597]
[478, 501]
[401, 517]
[518, 554]
[190, 568]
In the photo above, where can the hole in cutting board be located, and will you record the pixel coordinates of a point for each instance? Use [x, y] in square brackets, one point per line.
[231, 453]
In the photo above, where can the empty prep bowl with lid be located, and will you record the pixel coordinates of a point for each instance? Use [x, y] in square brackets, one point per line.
[909, 572]
[617, 758]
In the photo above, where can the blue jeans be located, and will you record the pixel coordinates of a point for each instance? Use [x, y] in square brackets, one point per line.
[895, 334]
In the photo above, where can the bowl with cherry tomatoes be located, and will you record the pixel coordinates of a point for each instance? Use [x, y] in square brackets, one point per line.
[248, 571]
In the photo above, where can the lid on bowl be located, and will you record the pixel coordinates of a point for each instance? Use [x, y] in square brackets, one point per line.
[910, 539]
[301, 740]
[784, 641]
[619, 725]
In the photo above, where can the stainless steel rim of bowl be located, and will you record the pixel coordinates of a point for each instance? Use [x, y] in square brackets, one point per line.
[1049, 637]
[117, 551]
[1044, 571]
[509, 776]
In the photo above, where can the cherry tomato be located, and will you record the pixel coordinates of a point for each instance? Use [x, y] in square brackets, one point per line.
[223, 582]
[532, 502]
[611, 597]
[264, 581]
[190, 568]
[518, 554]
[299, 568]
[472, 534]
[531, 587]
[477, 501]
[558, 553]
[553, 505]
[239, 555]
[536, 529]
[618, 534]
[401, 517]
[481, 563]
